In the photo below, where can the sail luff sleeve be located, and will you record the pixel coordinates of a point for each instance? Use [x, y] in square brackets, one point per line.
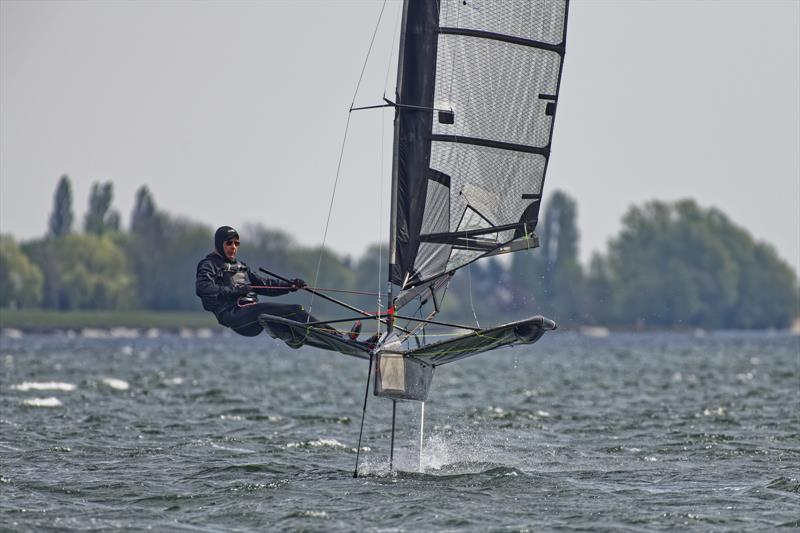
[395, 158]
[416, 83]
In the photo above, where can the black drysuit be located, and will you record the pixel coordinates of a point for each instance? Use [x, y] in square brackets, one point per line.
[225, 288]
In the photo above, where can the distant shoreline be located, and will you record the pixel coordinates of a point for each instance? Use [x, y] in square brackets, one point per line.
[50, 321]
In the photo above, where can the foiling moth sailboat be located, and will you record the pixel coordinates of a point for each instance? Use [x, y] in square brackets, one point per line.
[477, 88]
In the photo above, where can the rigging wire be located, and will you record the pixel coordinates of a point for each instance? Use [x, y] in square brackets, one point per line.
[341, 153]
[471, 303]
[320, 289]
[391, 48]
[378, 304]
[380, 218]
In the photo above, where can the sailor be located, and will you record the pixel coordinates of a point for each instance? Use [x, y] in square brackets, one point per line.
[229, 289]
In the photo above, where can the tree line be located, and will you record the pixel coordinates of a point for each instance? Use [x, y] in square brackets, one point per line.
[671, 265]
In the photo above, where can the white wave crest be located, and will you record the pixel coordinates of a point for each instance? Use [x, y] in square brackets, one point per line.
[319, 443]
[231, 449]
[11, 333]
[44, 385]
[42, 402]
[116, 384]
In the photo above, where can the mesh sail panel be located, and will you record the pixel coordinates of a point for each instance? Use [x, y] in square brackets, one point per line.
[487, 181]
[477, 91]
[432, 257]
[492, 180]
[534, 20]
[493, 87]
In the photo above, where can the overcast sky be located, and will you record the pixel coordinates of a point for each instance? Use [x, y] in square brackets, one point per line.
[233, 113]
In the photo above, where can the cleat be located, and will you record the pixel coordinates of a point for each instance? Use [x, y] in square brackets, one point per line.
[356, 329]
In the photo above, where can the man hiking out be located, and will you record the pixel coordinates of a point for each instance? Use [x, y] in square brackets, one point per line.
[229, 289]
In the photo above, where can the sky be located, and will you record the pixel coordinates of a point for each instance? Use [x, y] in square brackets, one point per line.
[235, 113]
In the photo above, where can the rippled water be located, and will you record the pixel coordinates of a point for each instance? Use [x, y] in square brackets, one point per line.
[634, 432]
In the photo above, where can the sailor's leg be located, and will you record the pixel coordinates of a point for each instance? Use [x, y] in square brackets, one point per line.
[300, 315]
[244, 321]
[293, 312]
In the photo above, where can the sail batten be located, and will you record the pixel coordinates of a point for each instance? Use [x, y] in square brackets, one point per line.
[558, 48]
[545, 151]
[470, 159]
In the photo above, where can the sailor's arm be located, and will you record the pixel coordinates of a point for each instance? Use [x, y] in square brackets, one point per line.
[270, 286]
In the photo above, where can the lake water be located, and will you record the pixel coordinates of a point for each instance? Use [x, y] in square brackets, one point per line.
[627, 432]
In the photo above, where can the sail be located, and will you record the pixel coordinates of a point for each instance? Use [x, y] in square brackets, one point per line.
[478, 84]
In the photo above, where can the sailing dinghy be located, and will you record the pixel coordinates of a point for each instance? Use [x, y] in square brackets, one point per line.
[477, 90]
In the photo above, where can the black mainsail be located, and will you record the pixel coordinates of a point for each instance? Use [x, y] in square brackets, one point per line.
[478, 84]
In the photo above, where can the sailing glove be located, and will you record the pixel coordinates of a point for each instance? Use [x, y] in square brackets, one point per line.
[298, 283]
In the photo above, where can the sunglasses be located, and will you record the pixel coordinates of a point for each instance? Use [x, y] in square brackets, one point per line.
[232, 243]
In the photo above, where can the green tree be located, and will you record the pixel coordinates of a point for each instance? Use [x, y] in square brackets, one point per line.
[83, 272]
[681, 265]
[173, 262]
[764, 286]
[20, 279]
[163, 254]
[100, 218]
[600, 303]
[144, 211]
[61, 218]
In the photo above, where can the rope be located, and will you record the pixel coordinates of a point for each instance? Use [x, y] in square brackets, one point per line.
[391, 48]
[341, 155]
[469, 278]
[330, 210]
[469, 275]
[320, 289]
[380, 218]
[378, 304]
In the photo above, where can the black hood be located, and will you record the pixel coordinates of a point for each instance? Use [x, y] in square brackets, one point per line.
[224, 233]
